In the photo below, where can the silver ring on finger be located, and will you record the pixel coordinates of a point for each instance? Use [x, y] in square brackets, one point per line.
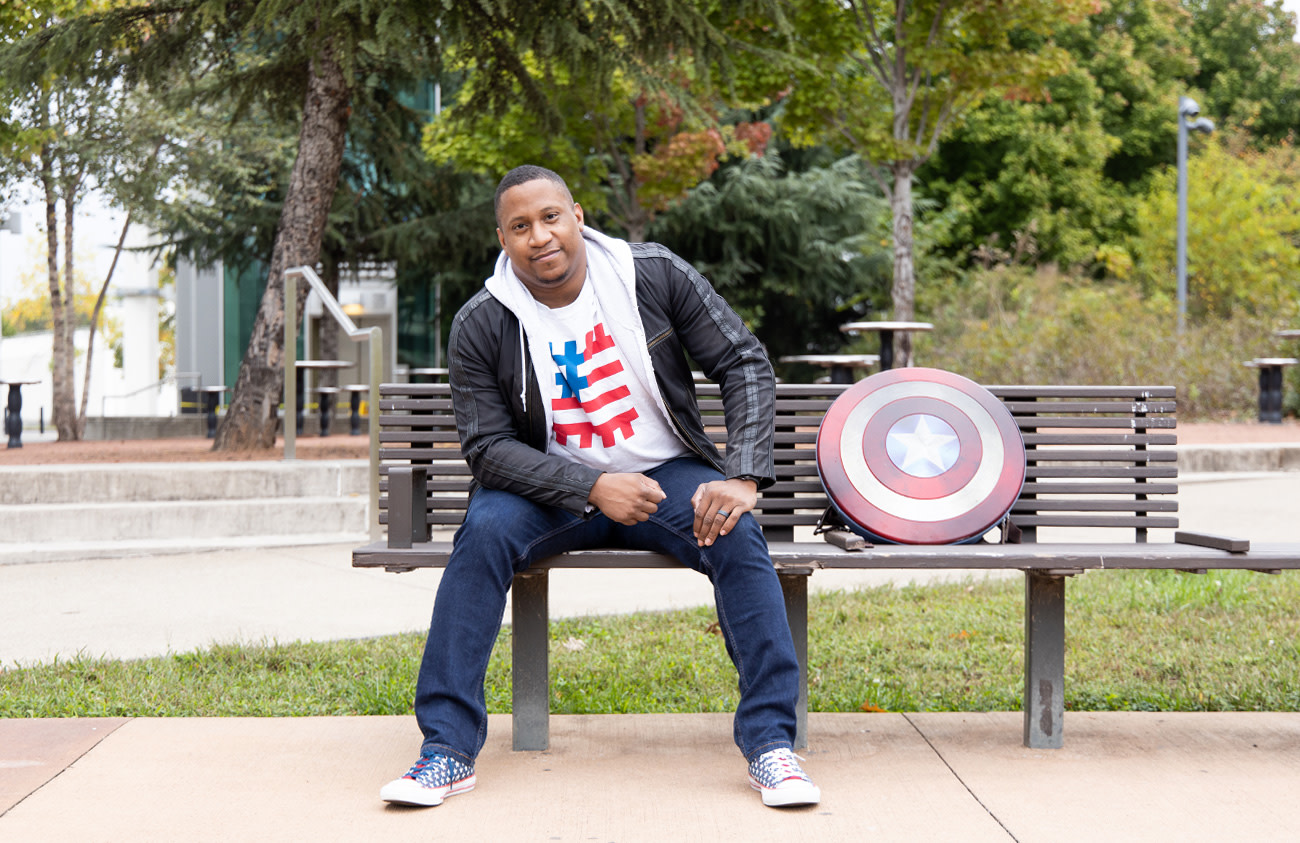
[724, 513]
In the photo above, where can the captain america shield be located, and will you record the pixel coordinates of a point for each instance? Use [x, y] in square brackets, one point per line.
[920, 456]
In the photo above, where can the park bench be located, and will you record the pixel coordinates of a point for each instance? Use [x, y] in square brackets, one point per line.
[1098, 458]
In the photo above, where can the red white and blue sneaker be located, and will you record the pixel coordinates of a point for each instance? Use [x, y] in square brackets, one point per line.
[776, 775]
[429, 781]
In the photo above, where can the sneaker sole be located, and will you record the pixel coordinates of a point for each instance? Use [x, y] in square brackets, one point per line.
[788, 797]
[406, 791]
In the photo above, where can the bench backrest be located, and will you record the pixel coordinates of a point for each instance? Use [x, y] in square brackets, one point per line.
[1091, 460]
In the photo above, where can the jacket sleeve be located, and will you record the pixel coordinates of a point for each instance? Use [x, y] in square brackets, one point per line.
[717, 340]
[492, 435]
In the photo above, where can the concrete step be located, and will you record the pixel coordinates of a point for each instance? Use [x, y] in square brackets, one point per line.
[128, 482]
[137, 520]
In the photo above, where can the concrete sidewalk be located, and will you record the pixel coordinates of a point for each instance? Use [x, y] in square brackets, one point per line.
[627, 778]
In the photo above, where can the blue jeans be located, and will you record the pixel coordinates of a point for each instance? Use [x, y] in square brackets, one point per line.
[504, 533]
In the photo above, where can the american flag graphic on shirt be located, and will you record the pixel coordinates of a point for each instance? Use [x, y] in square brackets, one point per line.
[594, 408]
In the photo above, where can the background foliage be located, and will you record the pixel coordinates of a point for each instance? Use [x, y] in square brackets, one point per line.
[1044, 217]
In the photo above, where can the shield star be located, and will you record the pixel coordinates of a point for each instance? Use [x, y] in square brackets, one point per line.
[922, 445]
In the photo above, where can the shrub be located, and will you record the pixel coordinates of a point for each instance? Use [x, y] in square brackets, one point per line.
[1014, 325]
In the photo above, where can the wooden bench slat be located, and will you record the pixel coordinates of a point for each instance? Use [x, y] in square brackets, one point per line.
[1127, 422]
[1128, 408]
[1097, 455]
[1112, 439]
[421, 437]
[409, 454]
[1093, 505]
[415, 404]
[1066, 520]
[1103, 471]
[1131, 488]
[1051, 391]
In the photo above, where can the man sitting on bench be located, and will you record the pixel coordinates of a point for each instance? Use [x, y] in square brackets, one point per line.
[576, 412]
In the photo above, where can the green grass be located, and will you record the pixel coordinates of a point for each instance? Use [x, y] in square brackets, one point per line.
[1135, 641]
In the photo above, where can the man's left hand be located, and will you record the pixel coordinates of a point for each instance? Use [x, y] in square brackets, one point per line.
[718, 506]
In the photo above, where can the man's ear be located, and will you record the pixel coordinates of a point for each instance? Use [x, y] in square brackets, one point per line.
[501, 238]
[577, 212]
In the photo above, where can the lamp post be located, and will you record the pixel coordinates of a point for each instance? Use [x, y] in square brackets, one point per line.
[1188, 118]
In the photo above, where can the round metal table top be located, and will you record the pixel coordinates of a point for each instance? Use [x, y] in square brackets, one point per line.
[1271, 361]
[324, 364]
[833, 359]
[856, 327]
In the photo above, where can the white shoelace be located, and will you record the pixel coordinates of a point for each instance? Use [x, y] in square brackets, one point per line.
[780, 765]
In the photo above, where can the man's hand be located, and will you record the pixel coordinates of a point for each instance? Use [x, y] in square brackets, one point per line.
[626, 498]
[719, 505]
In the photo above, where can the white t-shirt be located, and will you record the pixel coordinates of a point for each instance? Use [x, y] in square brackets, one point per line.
[603, 415]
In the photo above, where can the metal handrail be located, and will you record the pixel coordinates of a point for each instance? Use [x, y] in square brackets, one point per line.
[373, 335]
[172, 378]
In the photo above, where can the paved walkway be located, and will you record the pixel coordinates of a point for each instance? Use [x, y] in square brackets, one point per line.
[629, 778]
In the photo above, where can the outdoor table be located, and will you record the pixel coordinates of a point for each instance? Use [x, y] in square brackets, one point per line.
[319, 365]
[211, 397]
[841, 365]
[887, 331]
[13, 412]
[1288, 334]
[355, 391]
[1270, 386]
[431, 372]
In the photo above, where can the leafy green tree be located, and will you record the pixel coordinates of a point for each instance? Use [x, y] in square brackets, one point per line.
[313, 57]
[1248, 65]
[65, 140]
[1075, 163]
[796, 253]
[1242, 217]
[1017, 166]
[626, 150]
[890, 79]
[1138, 54]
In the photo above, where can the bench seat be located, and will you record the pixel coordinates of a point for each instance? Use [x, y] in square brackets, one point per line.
[1098, 461]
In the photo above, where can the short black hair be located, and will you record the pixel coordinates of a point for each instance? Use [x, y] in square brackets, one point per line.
[523, 174]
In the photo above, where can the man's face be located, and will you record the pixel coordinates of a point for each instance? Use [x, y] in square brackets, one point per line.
[540, 229]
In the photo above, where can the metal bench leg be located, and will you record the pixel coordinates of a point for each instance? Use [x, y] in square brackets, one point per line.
[794, 587]
[530, 635]
[407, 499]
[1044, 660]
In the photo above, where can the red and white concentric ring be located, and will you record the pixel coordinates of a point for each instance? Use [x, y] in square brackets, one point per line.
[962, 500]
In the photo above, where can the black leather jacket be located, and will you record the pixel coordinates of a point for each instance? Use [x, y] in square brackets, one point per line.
[502, 430]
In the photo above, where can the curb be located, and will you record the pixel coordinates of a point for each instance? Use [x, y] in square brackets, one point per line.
[1193, 459]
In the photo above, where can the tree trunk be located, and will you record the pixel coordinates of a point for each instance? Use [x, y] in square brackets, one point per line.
[70, 300]
[903, 293]
[252, 420]
[63, 413]
[94, 325]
